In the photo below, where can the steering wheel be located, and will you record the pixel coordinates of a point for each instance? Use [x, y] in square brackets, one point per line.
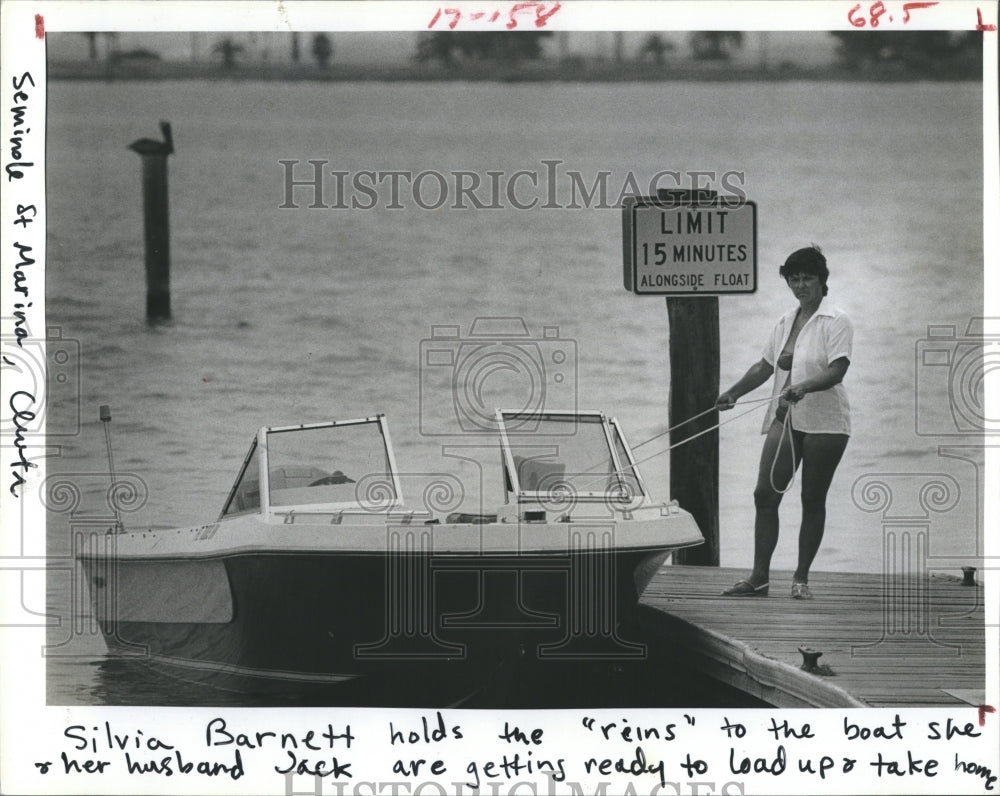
[336, 477]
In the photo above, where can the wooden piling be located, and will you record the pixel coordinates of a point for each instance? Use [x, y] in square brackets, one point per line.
[694, 386]
[156, 221]
[157, 230]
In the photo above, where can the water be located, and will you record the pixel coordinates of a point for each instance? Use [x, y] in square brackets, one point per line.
[300, 315]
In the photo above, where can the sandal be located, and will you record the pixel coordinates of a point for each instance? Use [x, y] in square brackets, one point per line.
[744, 588]
[800, 591]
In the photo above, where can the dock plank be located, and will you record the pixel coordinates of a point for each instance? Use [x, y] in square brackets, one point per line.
[886, 641]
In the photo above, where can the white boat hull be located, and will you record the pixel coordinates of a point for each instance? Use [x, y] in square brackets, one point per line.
[313, 601]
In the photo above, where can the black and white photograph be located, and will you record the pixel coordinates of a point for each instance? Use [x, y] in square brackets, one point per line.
[537, 397]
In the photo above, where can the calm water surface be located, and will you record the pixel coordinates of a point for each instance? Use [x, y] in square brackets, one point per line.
[300, 315]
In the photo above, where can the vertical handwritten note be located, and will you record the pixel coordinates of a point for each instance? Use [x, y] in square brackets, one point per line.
[20, 234]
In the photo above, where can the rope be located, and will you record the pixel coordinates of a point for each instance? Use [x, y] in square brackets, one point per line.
[673, 428]
[684, 441]
[786, 427]
[755, 404]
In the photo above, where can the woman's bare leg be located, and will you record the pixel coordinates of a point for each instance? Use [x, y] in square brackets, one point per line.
[767, 498]
[821, 453]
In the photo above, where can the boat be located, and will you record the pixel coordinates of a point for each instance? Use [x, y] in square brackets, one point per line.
[317, 571]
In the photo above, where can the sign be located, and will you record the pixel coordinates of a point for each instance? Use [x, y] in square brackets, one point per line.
[692, 244]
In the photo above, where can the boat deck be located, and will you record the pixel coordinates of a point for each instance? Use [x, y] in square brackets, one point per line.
[912, 641]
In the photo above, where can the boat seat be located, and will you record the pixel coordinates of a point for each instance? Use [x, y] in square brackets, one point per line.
[461, 518]
[535, 475]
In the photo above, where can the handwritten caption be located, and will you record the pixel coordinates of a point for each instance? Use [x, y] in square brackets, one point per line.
[18, 163]
[652, 752]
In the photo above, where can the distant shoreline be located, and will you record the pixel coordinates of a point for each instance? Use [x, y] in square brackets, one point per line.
[574, 71]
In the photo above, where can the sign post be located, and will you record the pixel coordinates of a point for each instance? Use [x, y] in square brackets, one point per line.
[692, 247]
[694, 386]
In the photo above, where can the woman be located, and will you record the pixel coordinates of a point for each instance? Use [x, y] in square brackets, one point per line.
[809, 352]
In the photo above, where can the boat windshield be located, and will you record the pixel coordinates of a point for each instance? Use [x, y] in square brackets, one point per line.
[342, 464]
[245, 494]
[580, 453]
[345, 464]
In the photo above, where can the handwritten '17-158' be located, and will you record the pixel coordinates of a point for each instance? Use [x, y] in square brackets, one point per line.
[454, 16]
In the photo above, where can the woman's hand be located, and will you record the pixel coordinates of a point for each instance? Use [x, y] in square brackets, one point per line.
[831, 376]
[725, 402]
[793, 394]
[757, 374]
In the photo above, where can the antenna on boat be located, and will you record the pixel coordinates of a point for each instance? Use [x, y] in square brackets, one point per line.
[106, 419]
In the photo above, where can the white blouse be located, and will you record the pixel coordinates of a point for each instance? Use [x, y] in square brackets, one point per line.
[827, 336]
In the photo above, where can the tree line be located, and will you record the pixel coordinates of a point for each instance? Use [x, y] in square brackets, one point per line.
[919, 51]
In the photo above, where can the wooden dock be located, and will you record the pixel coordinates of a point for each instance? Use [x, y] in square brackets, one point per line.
[885, 641]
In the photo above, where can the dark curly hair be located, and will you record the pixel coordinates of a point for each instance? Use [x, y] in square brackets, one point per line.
[809, 260]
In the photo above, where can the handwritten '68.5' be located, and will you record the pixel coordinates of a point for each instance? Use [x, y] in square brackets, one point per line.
[877, 10]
